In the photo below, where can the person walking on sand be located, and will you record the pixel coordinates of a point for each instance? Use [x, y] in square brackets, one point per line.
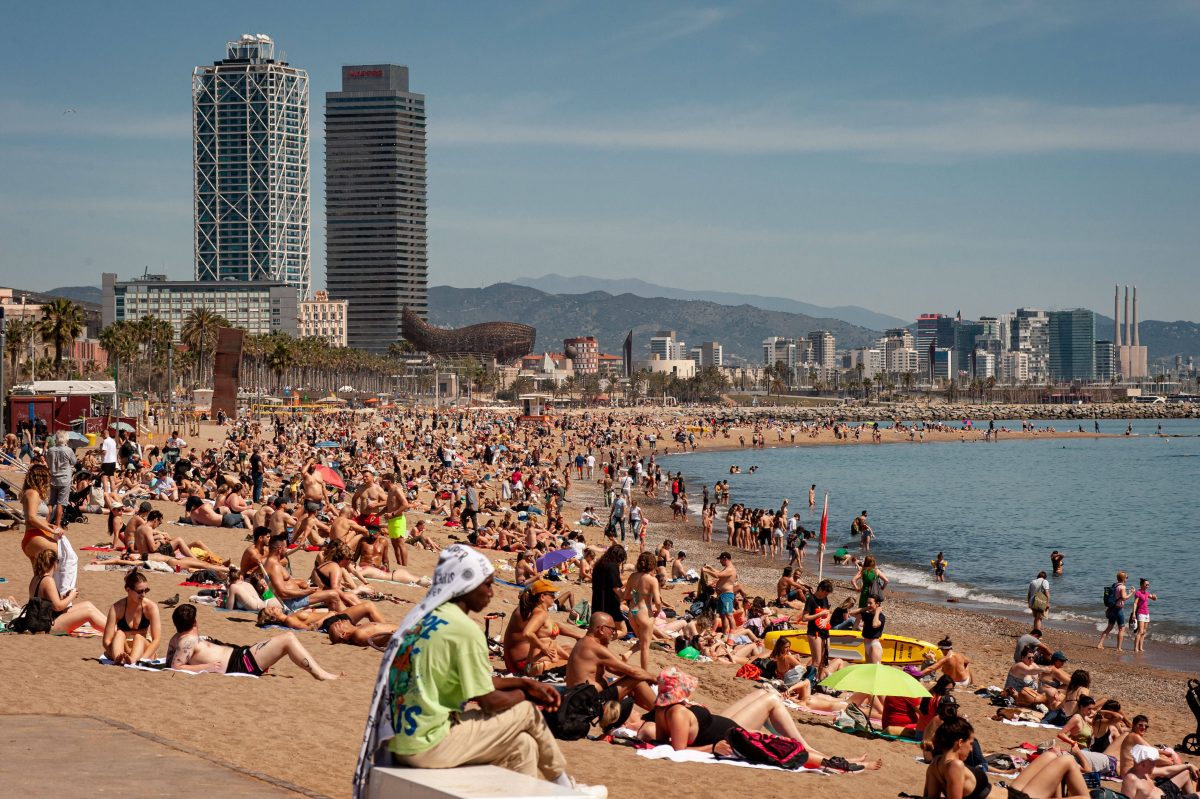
[1141, 613]
[1037, 598]
[1114, 610]
[725, 581]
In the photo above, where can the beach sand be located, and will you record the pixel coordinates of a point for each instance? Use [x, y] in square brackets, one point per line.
[290, 727]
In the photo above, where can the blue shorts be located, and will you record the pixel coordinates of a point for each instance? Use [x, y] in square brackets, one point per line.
[726, 601]
[293, 605]
[1116, 616]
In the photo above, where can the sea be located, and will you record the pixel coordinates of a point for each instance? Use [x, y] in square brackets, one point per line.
[997, 510]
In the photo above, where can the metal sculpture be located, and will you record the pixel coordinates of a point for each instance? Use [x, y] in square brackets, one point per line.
[504, 341]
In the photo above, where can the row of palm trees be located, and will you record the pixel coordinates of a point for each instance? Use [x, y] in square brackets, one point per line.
[62, 322]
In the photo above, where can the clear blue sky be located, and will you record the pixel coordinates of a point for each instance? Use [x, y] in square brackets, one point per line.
[904, 155]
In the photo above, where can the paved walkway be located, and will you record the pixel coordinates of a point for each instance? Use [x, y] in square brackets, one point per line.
[79, 756]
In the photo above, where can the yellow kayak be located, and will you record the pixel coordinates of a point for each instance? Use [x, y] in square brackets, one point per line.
[848, 645]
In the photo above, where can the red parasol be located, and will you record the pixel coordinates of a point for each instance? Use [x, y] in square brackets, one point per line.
[331, 477]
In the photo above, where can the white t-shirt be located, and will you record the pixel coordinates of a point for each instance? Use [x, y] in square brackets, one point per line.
[1035, 585]
[109, 447]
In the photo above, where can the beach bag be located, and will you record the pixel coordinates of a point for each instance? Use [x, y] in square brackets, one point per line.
[37, 617]
[749, 671]
[875, 590]
[580, 706]
[1106, 793]
[858, 718]
[1040, 602]
[764, 749]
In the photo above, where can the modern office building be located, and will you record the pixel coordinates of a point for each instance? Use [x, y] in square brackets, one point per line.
[780, 350]
[375, 201]
[1030, 333]
[934, 330]
[711, 353]
[666, 346]
[1072, 346]
[942, 364]
[323, 318]
[824, 348]
[251, 162]
[965, 334]
[1106, 361]
[258, 307]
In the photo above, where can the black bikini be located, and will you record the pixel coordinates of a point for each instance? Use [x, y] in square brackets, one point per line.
[124, 627]
[321, 576]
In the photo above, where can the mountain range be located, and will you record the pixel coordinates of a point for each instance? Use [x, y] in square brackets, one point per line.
[608, 317]
[582, 284]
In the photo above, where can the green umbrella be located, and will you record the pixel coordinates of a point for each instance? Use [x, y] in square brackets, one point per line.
[875, 679]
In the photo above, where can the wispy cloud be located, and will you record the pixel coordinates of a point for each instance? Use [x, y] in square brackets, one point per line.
[945, 130]
[971, 16]
[676, 24]
[22, 119]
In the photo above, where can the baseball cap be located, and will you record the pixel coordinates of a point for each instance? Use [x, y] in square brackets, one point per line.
[1141, 753]
[542, 587]
[1058, 655]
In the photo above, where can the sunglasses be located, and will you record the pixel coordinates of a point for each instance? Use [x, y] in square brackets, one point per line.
[141, 591]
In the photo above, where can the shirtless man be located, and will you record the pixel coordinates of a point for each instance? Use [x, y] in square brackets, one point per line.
[345, 529]
[592, 662]
[205, 515]
[281, 520]
[292, 593]
[153, 545]
[188, 651]
[954, 665]
[370, 498]
[396, 507]
[373, 564]
[128, 535]
[342, 630]
[261, 516]
[725, 580]
[312, 491]
[1146, 780]
[255, 555]
[789, 592]
[420, 538]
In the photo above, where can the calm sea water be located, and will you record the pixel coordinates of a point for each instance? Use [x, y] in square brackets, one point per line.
[998, 509]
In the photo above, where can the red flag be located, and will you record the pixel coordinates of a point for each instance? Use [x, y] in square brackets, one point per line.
[825, 519]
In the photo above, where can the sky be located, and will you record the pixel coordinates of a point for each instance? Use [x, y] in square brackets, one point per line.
[908, 156]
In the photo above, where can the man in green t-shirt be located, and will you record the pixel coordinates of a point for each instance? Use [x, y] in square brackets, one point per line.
[438, 663]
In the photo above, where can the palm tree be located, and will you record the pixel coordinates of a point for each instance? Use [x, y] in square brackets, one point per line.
[20, 333]
[62, 322]
[280, 358]
[199, 332]
[120, 341]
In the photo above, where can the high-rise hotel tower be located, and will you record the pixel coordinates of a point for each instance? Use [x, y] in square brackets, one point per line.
[375, 201]
[251, 157]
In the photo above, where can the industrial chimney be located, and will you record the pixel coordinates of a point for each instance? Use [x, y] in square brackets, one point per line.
[1135, 322]
[1117, 316]
[1126, 320]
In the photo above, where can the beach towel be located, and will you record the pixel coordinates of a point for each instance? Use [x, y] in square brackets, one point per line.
[68, 566]
[1028, 724]
[95, 549]
[86, 630]
[665, 752]
[160, 664]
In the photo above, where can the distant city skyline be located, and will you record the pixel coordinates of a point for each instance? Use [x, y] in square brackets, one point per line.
[900, 155]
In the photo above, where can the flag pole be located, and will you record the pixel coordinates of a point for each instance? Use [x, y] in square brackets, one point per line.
[824, 533]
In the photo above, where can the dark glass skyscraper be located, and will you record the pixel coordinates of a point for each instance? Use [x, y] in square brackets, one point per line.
[375, 202]
[1072, 345]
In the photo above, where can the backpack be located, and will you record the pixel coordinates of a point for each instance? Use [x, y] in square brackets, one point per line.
[580, 706]
[37, 617]
[762, 748]
[1110, 596]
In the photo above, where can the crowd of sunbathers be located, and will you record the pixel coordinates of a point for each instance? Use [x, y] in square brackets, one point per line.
[344, 484]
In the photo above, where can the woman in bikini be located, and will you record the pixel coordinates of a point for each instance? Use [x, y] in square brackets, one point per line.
[40, 536]
[948, 776]
[68, 614]
[644, 601]
[531, 638]
[133, 630]
[675, 720]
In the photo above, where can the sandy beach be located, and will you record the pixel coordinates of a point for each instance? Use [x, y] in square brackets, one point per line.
[306, 733]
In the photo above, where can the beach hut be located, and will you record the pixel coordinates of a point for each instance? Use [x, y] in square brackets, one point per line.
[534, 407]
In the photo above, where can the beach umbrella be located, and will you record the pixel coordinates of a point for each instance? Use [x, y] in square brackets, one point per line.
[875, 679]
[331, 477]
[556, 558]
[327, 445]
[128, 428]
[75, 440]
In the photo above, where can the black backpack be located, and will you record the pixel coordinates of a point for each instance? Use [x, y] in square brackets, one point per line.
[580, 706]
[37, 617]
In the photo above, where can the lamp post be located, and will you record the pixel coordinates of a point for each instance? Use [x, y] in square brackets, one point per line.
[3, 393]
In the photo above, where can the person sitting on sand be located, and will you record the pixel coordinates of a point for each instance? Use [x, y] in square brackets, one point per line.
[1144, 781]
[531, 638]
[150, 544]
[790, 592]
[189, 651]
[245, 591]
[201, 513]
[133, 629]
[683, 725]
[66, 612]
[373, 564]
[1168, 764]
[292, 593]
[591, 661]
[1021, 684]
[953, 664]
[949, 776]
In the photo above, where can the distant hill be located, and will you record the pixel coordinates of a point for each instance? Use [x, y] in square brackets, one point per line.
[581, 284]
[1161, 339]
[88, 294]
[740, 329]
